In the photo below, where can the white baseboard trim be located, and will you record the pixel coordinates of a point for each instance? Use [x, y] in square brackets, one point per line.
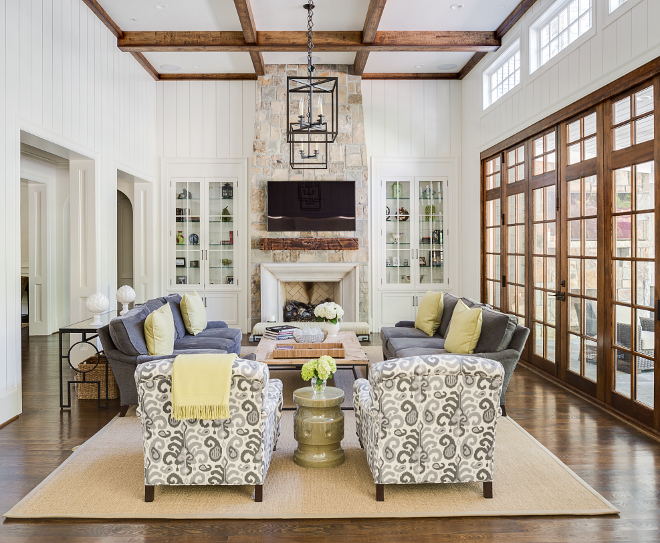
[9, 405]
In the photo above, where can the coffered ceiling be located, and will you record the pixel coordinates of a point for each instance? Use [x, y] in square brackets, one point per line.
[225, 39]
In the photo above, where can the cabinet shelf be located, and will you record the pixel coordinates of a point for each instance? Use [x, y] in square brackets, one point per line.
[221, 267]
[395, 199]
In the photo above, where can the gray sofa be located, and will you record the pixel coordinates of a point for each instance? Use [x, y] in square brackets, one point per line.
[502, 339]
[125, 347]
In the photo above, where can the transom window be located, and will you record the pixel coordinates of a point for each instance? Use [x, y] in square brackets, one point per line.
[503, 75]
[581, 138]
[632, 119]
[614, 4]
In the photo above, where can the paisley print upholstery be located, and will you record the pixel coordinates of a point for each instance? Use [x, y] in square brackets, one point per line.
[235, 451]
[429, 419]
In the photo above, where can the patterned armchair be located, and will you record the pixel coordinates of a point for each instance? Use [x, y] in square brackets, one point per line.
[429, 419]
[235, 451]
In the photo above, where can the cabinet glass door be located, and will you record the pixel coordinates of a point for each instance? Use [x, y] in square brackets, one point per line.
[398, 234]
[221, 258]
[188, 239]
[430, 202]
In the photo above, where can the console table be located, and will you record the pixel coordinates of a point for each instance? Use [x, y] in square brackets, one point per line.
[89, 334]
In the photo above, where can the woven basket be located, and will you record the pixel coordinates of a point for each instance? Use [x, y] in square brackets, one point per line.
[89, 391]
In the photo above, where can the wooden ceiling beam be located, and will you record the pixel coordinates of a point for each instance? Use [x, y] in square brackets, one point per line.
[246, 18]
[508, 23]
[104, 17]
[297, 41]
[372, 20]
[142, 60]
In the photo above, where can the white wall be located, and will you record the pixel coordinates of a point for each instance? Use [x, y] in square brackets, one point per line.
[617, 44]
[63, 79]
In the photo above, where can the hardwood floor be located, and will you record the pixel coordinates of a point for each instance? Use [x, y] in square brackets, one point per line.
[618, 461]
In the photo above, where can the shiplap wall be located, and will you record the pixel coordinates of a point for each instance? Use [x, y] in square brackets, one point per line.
[205, 119]
[63, 79]
[619, 43]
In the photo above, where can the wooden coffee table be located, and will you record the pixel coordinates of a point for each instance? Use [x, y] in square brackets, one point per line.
[355, 355]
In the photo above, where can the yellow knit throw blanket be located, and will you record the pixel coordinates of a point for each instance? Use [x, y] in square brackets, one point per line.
[200, 386]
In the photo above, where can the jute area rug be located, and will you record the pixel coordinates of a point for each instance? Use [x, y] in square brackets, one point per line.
[529, 480]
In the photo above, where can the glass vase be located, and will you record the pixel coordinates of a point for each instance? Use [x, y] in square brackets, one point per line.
[318, 385]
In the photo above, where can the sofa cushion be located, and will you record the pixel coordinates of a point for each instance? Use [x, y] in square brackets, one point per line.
[193, 312]
[388, 333]
[194, 342]
[412, 351]
[399, 344]
[226, 333]
[127, 332]
[159, 331]
[429, 313]
[496, 331]
[449, 301]
[174, 300]
[464, 330]
[155, 303]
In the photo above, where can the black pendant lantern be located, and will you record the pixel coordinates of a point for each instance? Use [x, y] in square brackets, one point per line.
[227, 191]
[312, 108]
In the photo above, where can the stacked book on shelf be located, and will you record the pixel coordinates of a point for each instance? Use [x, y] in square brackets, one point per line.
[279, 332]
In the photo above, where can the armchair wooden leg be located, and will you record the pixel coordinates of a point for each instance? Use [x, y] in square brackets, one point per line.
[123, 410]
[503, 410]
[149, 493]
[488, 489]
[258, 493]
[380, 493]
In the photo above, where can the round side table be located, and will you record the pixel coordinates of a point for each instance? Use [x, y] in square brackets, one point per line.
[318, 427]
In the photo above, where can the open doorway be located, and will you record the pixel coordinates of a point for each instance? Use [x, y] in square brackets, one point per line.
[124, 238]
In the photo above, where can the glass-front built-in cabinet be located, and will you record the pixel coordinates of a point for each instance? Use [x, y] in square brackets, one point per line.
[413, 232]
[204, 232]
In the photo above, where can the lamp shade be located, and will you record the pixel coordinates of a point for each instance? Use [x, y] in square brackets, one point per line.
[97, 303]
[125, 295]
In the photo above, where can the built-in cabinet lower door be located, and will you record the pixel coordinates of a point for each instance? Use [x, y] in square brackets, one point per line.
[397, 306]
[222, 307]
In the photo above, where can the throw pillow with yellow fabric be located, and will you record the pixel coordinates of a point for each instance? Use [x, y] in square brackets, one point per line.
[193, 312]
[159, 331]
[464, 329]
[201, 385]
[429, 313]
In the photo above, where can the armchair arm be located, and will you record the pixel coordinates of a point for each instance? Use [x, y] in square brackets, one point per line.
[272, 397]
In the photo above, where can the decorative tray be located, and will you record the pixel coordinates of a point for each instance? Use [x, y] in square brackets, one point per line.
[309, 350]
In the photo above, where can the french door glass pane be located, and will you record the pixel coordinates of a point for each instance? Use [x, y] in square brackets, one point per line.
[397, 232]
[221, 232]
[188, 238]
[430, 204]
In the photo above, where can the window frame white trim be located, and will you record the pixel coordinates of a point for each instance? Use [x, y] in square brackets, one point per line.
[609, 7]
[534, 49]
[503, 58]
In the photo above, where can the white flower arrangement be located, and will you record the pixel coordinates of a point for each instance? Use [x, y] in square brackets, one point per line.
[328, 312]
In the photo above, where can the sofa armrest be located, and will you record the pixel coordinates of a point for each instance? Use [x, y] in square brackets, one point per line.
[216, 324]
[405, 324]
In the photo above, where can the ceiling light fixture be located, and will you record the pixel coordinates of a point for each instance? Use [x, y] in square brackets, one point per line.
[161, 6]
[196, 66]
[170, 67]
[456, 6]
[310, 131]
[446, 67]
[419, 65]
[133, 19]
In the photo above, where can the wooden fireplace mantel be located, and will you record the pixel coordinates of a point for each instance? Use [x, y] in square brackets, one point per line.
[309, 244]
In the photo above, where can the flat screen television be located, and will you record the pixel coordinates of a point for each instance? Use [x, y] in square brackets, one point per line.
[295, 206]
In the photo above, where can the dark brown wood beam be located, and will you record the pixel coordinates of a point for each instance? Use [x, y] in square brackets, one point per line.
[104, 17]
[208, 77]
[142, 60]
[297, 41]
[246, 18]
[309, 244]
[372, 20]
[508, 23]
[410, 76]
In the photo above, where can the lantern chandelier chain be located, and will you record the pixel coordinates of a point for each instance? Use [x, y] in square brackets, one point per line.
[310, 36]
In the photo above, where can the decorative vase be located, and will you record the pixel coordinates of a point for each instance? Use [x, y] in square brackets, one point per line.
[396, 190]
[96, 304]
[333, 329]
[125, 295]
[318, 385]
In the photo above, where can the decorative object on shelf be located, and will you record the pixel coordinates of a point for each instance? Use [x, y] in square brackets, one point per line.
[182, 211]
[436, 259]
[181, 262]
[421, 278]
[193, 239]
[271, 318]
[226, 262]
[396, 236]
[388, 262]
[403, 214]
[405, 278]
[194, 263]
[125, 295]
[428, 192]
[185, 195]
[230, 280]
[179, 237]
[437, 236]
[226, 216]
[395, 261]
[227, 191]
[426, 239]
[387, 213]
[396, 189]
[318, 372]
[308, 335]
[422, 261]
[181, 280]
[329, 312]
[405, 263]
[308, 136]
[429, 211]
[231, 237]
[96, 304]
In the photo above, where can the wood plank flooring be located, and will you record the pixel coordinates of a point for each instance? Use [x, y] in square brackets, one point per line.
[618, 461]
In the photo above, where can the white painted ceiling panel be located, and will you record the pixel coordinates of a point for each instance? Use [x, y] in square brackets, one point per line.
[435, 15]
[407, 62]
[211, 62]
[328, 14]
[206, 15]
[325, 57]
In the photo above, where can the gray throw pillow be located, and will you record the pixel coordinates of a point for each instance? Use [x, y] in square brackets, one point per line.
[127, 332]
[449, 302]
[154, 304]
[472, 303]
[179, 326]
[497, 329]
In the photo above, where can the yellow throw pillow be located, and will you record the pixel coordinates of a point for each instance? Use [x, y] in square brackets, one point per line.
[464, 329]
[159, 331]
[429, 313]
[193, 313]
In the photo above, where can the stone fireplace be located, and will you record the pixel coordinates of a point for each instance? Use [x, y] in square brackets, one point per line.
[270, 162]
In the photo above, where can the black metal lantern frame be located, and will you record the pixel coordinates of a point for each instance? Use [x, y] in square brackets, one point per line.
[227, 191]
